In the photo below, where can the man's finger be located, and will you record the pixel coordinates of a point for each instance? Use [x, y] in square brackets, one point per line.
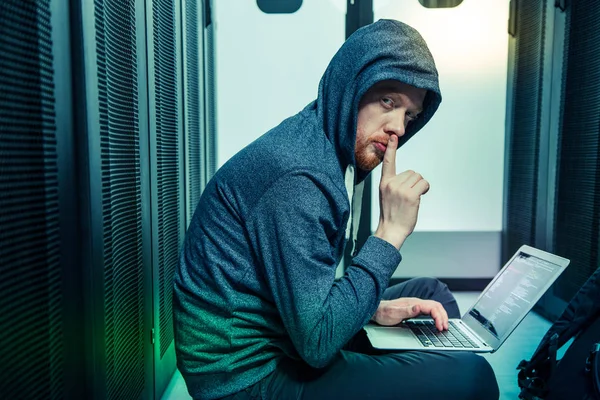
[445, 316]
[439, 320]
[389, 158]
[403, 177]
[440, 317]
[422, 186]
[412, 179]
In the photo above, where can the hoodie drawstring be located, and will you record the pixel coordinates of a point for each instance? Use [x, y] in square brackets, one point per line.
[355, 194]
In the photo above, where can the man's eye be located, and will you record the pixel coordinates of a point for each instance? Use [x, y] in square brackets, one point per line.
[387, 101]
[411, 117]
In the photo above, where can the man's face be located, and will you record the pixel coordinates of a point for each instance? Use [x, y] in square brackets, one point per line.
[386, 109]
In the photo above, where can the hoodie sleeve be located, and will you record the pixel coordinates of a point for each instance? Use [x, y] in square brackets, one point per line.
[293, 230]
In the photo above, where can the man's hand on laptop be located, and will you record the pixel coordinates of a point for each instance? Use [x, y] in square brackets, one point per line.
[392, 312]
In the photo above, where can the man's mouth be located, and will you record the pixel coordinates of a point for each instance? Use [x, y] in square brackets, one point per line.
[380, 146]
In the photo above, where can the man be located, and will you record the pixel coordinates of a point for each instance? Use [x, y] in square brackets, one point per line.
[258, 311]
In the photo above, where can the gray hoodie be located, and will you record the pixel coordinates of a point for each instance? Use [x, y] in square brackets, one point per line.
[256, 278]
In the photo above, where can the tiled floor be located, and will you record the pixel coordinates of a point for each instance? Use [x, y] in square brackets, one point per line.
[520, 345]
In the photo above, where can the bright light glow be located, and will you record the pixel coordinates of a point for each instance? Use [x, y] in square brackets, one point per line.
[268, 65]
[461, 151]
[471, 37]
[339, 4]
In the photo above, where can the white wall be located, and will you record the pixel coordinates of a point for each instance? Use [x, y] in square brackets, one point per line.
[461, 151]
[268, 66]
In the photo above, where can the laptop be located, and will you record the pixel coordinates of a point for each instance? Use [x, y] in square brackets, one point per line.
[489, 322]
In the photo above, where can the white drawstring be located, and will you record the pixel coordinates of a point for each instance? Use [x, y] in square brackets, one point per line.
[356, 210]
[349, 178]
[355, 194]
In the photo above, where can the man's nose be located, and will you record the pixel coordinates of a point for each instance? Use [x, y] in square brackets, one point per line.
[397, 125]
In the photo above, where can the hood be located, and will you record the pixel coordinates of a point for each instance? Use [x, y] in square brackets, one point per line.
[386, 49]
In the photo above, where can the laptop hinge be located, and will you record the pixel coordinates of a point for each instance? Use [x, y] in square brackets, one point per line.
[473, 333]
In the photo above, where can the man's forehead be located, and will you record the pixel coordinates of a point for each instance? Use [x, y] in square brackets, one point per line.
[391, 86]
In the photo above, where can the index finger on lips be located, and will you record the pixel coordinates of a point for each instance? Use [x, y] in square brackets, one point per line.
[389, 158]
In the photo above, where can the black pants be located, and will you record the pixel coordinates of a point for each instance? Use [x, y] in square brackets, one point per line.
[362, 372]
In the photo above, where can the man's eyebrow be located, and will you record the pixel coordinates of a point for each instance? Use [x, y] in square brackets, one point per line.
[392, 91]
[389, 87]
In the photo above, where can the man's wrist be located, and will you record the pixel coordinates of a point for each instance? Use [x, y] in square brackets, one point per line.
[395, 239]
[379, 310]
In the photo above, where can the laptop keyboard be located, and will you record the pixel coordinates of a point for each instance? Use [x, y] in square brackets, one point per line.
[429, 335]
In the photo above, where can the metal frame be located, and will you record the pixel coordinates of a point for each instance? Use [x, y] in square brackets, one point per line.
[186, 131]
[551, 306]
[554, 117]
[546, 177]
[74, 345]
[145, 187]
[91, 204]
[209, 154]
[165, 366]
[510, 79]
[201, 100]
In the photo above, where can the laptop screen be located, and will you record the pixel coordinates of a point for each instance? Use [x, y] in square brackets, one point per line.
[512, 293]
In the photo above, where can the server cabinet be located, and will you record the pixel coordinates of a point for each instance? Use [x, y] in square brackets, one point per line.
[552, 196]
[113, 197]
[577, 204]
[35, 189]
[523, 125]
[165, 99]
[102, 154]
[209, 163]
[194, 102]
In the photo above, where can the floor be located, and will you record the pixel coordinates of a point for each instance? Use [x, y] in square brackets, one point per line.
[520, 345]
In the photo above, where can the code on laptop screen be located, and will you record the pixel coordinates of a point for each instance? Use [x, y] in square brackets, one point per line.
[513, 293]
